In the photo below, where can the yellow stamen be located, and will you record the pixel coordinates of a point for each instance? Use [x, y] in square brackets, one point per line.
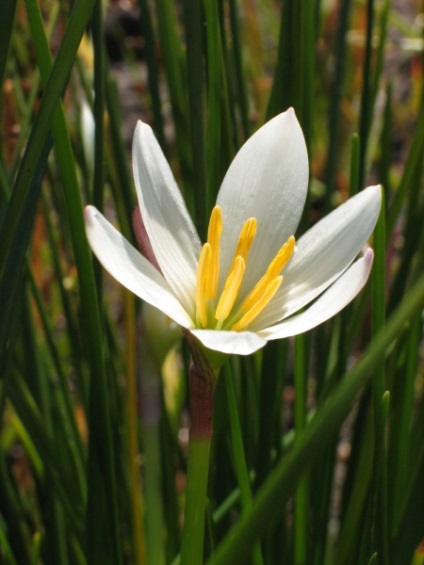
[203, 272]
[274, 268]
[231, 289]
[207, 279]
[214, 239]
[246, 237]
[259, 305]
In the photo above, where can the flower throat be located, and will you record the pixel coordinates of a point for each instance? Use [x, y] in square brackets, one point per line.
[219, 313]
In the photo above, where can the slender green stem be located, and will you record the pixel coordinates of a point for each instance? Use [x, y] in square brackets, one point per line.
[196, 499]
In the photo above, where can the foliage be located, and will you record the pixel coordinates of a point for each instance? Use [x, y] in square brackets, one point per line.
[317, 454]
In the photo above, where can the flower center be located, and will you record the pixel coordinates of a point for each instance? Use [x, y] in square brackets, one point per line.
[219, 312]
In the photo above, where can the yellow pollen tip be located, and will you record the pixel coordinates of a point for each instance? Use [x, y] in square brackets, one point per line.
[246, 237]
[275, 267]
[231, 289]
[281, 259]
[203, 270]
[207, 278]
[214, 240]
[259, 305]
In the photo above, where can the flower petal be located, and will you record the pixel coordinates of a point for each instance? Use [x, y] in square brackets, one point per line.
[268, 180]
[238, 343]
[130, 268]
[329, 304]
[170, 229]
[322, 254]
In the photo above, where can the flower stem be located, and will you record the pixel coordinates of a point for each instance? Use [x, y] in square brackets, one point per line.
[196, 499]
[202, 391]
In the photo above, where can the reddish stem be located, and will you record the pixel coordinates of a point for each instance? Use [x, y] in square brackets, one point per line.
[202, 391]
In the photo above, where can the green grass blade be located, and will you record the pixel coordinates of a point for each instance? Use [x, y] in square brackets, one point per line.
[11, 274]
[353, 534]
[335, 98]
[176, 74]
[409, 180]
[241, 469]
[193, 18]
[283, 479]
[366, 94]
[214, 152]
[100, 463]
[402, 416]
[99, 105]
[152, 69]
[12, 512]
[301, 502]
[272, 382]
[379, 481]
[36, 141]
[7, 15]
[240, 83]
[122, 183]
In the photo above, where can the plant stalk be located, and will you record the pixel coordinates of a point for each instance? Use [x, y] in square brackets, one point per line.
[202, 391]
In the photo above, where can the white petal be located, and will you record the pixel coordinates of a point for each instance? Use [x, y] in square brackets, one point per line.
[323, 253]
[268, 180]
[130, 268]
[329, 304]
[238, 343]
[171, 231]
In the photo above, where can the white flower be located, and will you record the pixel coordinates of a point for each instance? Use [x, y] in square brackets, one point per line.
[230, 293]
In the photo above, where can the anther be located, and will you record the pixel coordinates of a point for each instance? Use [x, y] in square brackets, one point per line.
[231, 289]
[259, 305]
[207, 278]
[246, 237]
[214, 240]
[274, 269]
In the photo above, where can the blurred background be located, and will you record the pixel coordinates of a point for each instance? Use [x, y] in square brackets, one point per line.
[93, 384]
